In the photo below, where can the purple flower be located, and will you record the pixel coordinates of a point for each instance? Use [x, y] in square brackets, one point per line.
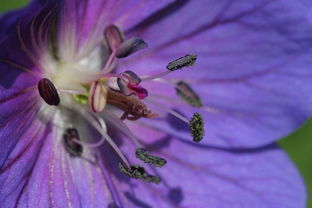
[91, 117]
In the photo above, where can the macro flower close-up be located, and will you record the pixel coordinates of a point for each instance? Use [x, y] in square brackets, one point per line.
[141, 103]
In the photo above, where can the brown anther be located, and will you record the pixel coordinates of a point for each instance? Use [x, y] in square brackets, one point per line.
[133, 108]
[48, 92]
[114, 37]
[98, 97]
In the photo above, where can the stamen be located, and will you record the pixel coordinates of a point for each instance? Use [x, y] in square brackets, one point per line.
[70, 137]
[122, 127]
[188, 94]
[138, 172]
[94, 122]
[98, 97]
[132, 77]
[72, 92]
[93, 145]
[114, 37]
[146, 157]
[130, 46]
[168, 110]
[196, 123]
[128, 84]
[48, 92]
[197, 127]
[187, 60]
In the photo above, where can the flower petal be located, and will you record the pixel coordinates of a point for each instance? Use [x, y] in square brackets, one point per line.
[18, 83]
[205, 176]
[82, 23]
[253, 68]
[40, 173]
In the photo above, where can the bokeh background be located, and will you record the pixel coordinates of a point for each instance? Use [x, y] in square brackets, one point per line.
[298, 145]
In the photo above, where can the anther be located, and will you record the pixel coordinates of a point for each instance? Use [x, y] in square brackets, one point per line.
[197, 127]
[129, 85]
[187, 60]
[130, 46]
[146, 157]
[138, 172]
[98, 97]
[48, 92]
[188, 94]
[132, 77]
[72, 147]
[114, 37]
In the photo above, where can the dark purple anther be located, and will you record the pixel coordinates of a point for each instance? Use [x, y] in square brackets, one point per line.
[130, 85]
[114, 37]
[48, 92]
[132, 77]
[130, 46]
[72, 147]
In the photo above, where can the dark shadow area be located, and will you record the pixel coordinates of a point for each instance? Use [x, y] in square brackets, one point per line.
[159, 144]
[235, 150]
[176, 123]
[176, 195]
[112, 205]
[137, 202]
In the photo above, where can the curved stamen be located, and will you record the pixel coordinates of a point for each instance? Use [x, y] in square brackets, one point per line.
[122, 127]
[155, 76]
[94, 122]
[172, 112]
[110, 63]
[74, 92]
[93, 145]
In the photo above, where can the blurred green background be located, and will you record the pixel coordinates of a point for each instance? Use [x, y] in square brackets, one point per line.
[298, 145]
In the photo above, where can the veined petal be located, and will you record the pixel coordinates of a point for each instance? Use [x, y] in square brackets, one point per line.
[253, 68]
[40, 173]
[82, 23]
[199, 175]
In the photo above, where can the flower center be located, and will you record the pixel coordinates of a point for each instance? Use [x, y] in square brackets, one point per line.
[88, 88]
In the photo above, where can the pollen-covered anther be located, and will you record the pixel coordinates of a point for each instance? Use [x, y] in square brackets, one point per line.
[130, 46]
[114, 37]
[97, 97]
[138, 172]
[72, 147]
[48, 92]
[197, 127]
[187, 60]
[146, 157]
[188, 94]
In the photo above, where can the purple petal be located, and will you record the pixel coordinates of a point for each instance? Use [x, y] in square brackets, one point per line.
[85, 21]
[252, 72]
[40, 173]
[206, 176]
